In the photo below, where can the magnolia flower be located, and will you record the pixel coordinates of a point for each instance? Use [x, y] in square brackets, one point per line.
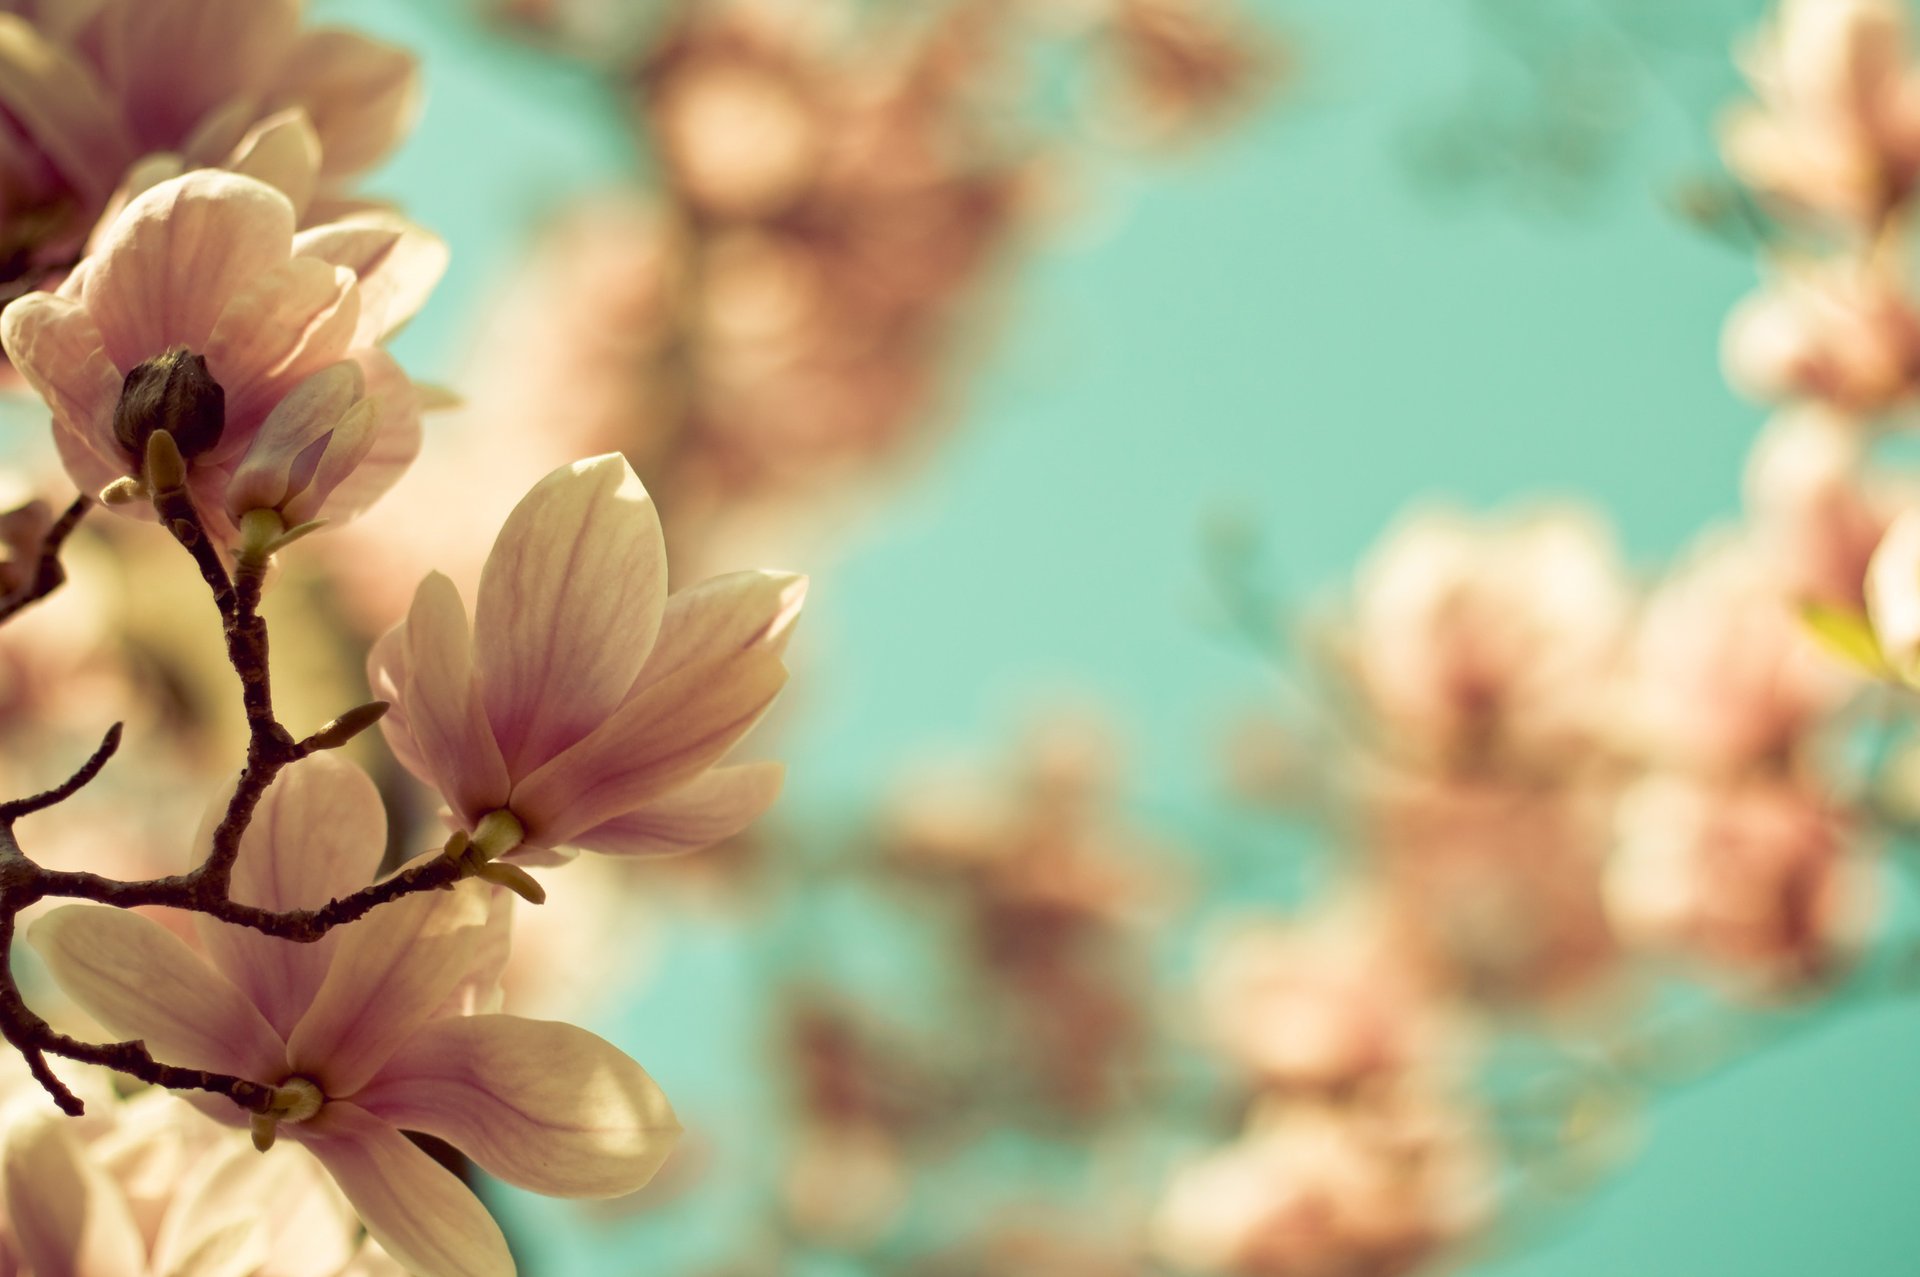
[1838, 333]
[1836, 131]
[149, 1186]
[1722, 676]
[1893, 594]
[205, 313]
[583, 707]
[1326, 1004]
[1753, 877]
[368, 1032]
[1330, 1191]
[1499, 879]
[1817, 515]
[1472, 635]
[89, 89]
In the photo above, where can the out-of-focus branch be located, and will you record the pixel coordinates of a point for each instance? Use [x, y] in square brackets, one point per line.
[47, 575]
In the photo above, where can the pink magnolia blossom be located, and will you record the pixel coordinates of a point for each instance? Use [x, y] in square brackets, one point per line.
[1842, 333]
[1754, 877]
[1817, 513]
[1723, 677]
[582, 699]
[1836, 131]
[103, 98]
[1893, 593]
[368, 1032]
[1327, 1004]
[1320, 1191]
[1473, 635]
[318, 420]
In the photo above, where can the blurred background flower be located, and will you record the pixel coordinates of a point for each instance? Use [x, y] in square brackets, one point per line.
[1312, 746]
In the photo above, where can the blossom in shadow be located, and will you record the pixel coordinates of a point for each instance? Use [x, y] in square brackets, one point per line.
[370, 1031]
[99, 100]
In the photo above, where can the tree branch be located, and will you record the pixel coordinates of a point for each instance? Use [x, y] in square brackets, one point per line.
[48, 575]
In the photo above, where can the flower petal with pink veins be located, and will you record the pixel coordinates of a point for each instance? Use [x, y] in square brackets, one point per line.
[284, 152]
[292, 321]
[388, 972]
[318, 834]
[363, 95]
[396, 437]
[140, 981]
[415, 1208]
[570, 601]
[665, 735]
[442, 703]
[174, 61]
[65, 1216]
[726, 613]
[57, 347]
[62, 107]
[387, 675]
[397, 263]
[543, 1105]
[706, 810]
[266, 475]
[178, 254]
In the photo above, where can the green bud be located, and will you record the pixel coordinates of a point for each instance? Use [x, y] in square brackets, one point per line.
[173, 392]
[349, 725]
[166, 469]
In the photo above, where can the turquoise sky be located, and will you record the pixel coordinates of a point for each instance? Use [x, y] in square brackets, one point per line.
[1289, 328]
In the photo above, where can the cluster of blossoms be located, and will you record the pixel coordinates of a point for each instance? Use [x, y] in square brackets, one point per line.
[836, 191]
[1552, 776]
[203, 308]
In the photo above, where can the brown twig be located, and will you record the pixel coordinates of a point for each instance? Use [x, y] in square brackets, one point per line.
[48, 575]
[206, 889]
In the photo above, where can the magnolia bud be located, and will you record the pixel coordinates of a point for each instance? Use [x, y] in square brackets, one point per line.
[348, 725]
[173, 392]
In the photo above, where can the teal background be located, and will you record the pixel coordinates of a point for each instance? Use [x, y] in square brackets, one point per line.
[1287, 327]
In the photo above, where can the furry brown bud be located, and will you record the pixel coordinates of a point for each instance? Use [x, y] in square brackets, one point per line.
[173, 392]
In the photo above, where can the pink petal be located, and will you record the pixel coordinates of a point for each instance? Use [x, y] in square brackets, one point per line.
[569, 604]
[140, 981]
[725, 613]
[664, 736]
[319, 833]
[397, 264]
[289, 323]
[60, 105]
[284, 152]
[442, 703]
[546, 1106]
[363, 95]
[387, 675]
[389, 971]
[396, 437]
[414, 1207]
[56, 346]
[64, 1215]
[308, 413]
[707, 809]
[178, 254]
[174, 61]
